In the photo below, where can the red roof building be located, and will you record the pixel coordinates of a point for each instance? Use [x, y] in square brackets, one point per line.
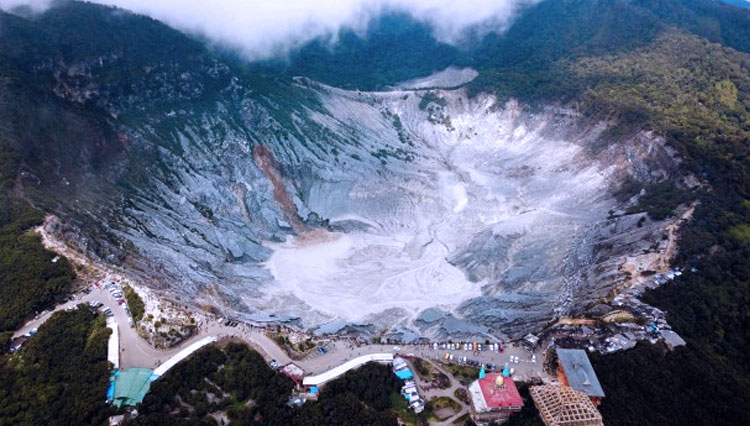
[294, 372]
[494, 398]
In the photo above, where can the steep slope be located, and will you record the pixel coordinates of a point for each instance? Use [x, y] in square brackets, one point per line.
[425, 211]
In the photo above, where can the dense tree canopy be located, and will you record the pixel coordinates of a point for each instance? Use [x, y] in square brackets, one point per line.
[234, 382]
[29, 280]
[61, 376]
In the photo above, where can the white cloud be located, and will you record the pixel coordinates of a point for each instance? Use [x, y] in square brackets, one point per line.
[35, 5]
[264, 28]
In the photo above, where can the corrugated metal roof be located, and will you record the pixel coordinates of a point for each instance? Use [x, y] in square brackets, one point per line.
[131, 386]
[579, 372]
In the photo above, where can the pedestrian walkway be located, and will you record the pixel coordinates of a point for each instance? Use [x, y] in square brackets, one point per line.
[343, 368]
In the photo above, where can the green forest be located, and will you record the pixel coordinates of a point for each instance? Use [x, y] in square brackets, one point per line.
[61, 376]
[237, 382]
[29, 280]
[680, 68]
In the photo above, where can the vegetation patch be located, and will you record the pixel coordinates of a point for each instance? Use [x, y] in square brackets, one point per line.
[444, 407]
[237, 382]
[135, 303]
[465, 374]
[462, 394]
[741, 232]
[32, 278]
[423, 368]
[431, 98]
[660, 200]
[60, 378]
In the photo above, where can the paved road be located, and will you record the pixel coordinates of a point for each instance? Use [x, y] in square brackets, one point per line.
[137, 352]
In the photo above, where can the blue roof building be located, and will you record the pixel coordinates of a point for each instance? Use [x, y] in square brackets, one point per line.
[579, 373]
[404, 374]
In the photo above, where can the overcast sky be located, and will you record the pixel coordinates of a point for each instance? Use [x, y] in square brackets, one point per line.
[263, 28]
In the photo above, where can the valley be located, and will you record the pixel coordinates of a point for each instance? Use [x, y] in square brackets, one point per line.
[569, 175]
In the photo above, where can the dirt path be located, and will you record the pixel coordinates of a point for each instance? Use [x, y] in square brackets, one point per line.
[657, 262]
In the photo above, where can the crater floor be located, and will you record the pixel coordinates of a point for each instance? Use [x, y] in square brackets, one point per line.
[494, 204]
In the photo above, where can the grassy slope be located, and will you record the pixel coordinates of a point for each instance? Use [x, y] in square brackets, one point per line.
[680, 70]
[698, 95]
[29, 281]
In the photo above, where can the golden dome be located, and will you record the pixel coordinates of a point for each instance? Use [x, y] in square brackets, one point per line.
[499, 380]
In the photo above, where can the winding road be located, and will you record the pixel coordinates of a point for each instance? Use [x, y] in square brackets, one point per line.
[137, 352]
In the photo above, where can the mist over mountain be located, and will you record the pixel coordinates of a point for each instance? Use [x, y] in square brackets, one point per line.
[270, 29]
[398, 170]
[211, 177]
[739, 3]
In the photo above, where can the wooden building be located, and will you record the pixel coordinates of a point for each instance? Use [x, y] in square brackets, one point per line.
[564, 406]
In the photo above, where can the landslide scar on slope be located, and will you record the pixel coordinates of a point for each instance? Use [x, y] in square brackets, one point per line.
[264, 159]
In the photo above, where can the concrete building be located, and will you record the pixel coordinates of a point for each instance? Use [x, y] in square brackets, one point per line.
[294, 372]
[672, 339]
[17, 343]
[494, 398]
